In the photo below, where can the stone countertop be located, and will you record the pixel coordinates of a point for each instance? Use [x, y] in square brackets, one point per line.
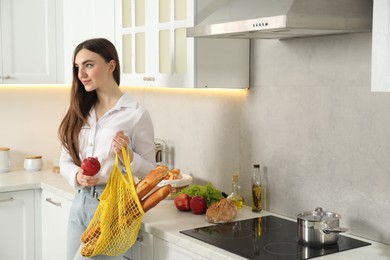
[45, 179]
[165, 221]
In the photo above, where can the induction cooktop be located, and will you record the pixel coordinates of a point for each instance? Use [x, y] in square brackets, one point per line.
[266, 238]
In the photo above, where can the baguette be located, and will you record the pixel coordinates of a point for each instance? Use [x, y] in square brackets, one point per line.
[88, 248]
[93, 231]
[151, 180]
[153, 199]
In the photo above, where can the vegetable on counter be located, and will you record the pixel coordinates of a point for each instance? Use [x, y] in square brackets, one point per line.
[206, 191]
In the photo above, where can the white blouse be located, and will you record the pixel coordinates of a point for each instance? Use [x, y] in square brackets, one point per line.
[95, 140]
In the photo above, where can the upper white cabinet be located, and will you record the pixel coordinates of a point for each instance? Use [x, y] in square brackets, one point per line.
[28, 41]
[380, 70]
[84, 19]
[155, 51]
[152, 41]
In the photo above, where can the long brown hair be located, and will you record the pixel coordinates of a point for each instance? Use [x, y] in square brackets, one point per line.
[82, 101]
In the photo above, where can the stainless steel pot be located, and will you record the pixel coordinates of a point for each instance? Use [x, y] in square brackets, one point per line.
[318, 228]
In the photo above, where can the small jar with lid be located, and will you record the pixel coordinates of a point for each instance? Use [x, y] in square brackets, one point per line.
[33, 163]
[5, 161]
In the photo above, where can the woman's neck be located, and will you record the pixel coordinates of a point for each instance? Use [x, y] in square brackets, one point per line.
[107, 99]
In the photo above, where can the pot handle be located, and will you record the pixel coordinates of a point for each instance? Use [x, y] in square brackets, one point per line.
[334, 230]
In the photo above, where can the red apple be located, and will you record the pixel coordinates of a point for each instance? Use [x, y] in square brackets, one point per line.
[91, 166]
[182, 202]
[198, 205]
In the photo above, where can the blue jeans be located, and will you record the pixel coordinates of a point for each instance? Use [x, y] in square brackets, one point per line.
[83, 208]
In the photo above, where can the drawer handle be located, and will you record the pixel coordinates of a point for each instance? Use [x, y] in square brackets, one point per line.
[53, 202]
[7, 199]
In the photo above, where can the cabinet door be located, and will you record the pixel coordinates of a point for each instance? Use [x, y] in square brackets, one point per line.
[152, 43]
[28, 41]
[85, 19]
[17, 225]
[143, 248]
[55, 213]
[166, 250]
[380, 76]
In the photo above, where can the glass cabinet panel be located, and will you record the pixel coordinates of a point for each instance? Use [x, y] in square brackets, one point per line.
[139, 12]
[126, 13]
[180, 51]
[140, 53]
[127, 44]
[165, 51]
[164, 11]
[180, 10]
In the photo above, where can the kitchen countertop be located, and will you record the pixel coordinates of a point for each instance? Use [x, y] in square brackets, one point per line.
[165, 221]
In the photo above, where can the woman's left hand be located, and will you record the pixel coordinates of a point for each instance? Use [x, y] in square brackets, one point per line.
[121, 140]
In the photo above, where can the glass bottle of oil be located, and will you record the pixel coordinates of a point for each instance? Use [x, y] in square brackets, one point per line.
[235, 196]
[256, 189]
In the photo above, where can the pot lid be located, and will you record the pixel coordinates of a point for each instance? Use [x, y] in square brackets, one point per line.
[318, 215]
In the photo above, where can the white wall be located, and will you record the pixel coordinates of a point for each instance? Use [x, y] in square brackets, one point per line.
[323, 137]
[201, 127]
[309, 118]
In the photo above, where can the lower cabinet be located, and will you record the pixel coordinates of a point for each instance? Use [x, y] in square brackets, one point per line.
[166, 250]
[149, 247]
[55, 212]
[17, 225]
[142, 249]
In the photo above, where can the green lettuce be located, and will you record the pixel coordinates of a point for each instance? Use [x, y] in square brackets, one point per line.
[206, 191]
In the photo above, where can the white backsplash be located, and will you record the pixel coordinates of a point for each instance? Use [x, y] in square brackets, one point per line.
[309, 118]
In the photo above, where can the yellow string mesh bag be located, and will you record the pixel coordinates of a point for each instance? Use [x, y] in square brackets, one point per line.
[118, 217]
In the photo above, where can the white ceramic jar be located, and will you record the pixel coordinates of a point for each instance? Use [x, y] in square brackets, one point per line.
[33, 163]
[5, 162]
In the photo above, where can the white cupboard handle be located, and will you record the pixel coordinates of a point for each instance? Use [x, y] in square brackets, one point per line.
[7, 77]
[7, 199]
[53, 202]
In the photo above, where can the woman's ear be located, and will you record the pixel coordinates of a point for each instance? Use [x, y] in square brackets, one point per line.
[112, 65]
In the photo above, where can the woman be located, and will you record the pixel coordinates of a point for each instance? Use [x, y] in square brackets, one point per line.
[99, 121]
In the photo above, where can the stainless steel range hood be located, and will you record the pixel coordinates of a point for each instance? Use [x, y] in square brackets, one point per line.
[279, 19]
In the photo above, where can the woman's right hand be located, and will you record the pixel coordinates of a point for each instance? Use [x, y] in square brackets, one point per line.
[85, 180]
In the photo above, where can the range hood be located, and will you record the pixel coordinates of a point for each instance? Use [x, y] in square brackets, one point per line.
[280, 19]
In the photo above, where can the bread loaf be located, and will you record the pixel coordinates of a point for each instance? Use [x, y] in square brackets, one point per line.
[151, 180]
[221, 212]
[153, 199]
